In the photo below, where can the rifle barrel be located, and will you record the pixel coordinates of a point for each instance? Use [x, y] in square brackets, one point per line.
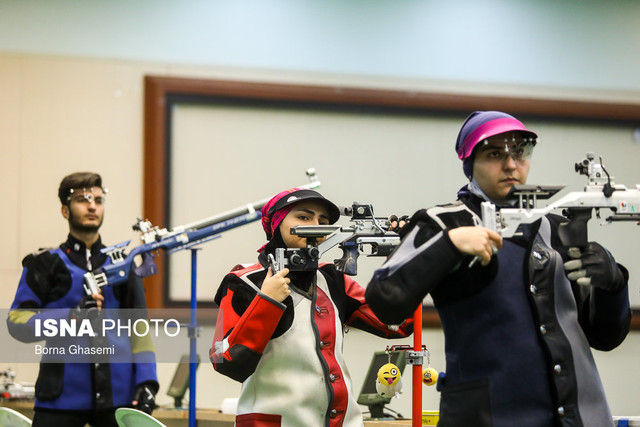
[242, 210]
[624, 217]
[314, 230]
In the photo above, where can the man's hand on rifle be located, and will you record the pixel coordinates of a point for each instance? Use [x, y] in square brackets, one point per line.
[594, 265]
[276, 286]
[92, 301]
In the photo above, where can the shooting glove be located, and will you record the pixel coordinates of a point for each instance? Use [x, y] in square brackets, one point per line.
[594, 265]
[396, 223]
[145, 396]
[87, 308]
[87, 303]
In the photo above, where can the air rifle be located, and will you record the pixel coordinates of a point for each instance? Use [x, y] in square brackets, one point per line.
[600, 192]
[366, 229]
[173, 240]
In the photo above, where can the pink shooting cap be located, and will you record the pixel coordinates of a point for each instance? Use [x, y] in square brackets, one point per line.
[481, 125]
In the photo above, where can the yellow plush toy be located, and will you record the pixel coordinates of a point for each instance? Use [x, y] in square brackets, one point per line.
[429, 376]
[389, 381]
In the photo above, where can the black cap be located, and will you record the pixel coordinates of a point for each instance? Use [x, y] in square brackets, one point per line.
[305, 194]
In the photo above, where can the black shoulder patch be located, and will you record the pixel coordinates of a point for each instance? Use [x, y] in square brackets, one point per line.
[47, 276]
[28, 304]
[243, 294]
[27, 260]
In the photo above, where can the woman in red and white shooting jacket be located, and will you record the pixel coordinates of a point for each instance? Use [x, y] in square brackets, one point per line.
[281, 335]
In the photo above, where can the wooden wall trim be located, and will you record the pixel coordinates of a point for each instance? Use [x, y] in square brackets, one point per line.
[394, 99]
[159, 89]
[154, 179]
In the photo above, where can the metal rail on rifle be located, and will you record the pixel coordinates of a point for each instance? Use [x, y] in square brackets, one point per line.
[365, 230]
[600, 192]
[175, 239]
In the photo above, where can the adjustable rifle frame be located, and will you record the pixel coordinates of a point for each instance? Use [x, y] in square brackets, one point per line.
[600, 192]
[175, 239]
[365, 230]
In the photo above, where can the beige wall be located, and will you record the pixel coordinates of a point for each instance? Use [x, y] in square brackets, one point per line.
[59, 115]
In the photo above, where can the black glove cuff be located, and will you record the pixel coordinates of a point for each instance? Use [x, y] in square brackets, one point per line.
[87, 302]
[86, 308]
[621, 277]
[145, 395]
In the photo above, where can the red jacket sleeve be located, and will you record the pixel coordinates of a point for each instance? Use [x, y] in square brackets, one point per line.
[242, 333]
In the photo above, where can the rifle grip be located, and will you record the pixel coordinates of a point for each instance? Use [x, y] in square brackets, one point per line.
[573, 234]
[348, 264]
[90, 285]
[147, 267]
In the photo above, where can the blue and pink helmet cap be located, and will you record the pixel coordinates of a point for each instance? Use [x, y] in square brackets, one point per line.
[479, 126]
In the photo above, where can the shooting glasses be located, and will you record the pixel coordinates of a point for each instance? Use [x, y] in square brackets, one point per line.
[499, 149]
[82, 195]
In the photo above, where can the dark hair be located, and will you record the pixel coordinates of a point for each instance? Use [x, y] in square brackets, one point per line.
[77, 180]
